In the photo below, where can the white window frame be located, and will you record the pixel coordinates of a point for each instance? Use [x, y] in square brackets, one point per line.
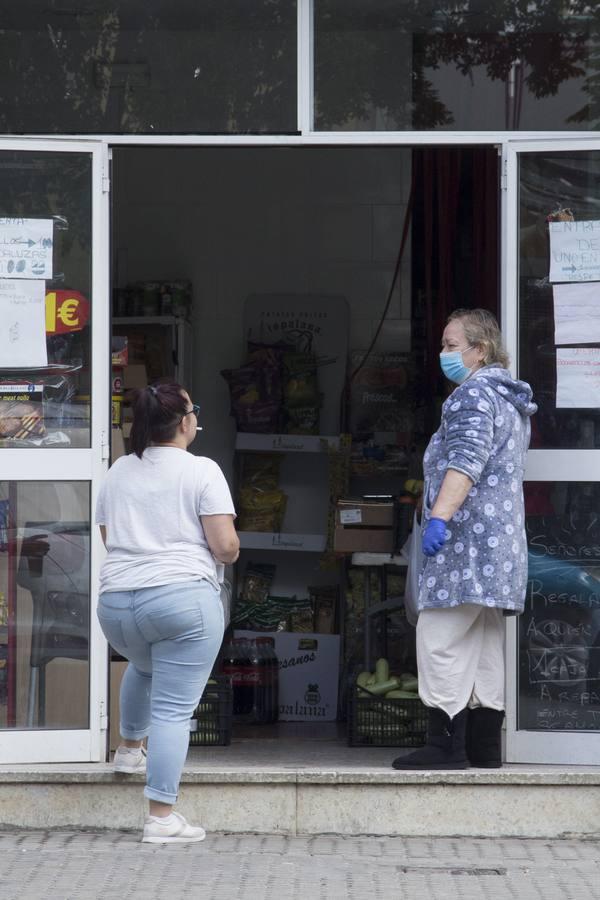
[551, 747]
[88, 465]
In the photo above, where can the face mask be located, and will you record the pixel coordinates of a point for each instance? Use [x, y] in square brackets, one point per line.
[453, 366]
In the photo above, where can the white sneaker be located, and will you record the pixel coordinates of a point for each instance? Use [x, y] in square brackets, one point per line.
[130, 760]
[176, 832]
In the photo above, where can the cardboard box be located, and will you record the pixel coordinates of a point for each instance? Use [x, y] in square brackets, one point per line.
[117, 444]
[363, 526]
[308, 674]
[135, 377]
[117, 670]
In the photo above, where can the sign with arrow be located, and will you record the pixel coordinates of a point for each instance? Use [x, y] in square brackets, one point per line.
[574, 251]
[26, 247]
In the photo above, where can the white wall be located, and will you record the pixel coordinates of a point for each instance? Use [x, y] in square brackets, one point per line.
[239, 221]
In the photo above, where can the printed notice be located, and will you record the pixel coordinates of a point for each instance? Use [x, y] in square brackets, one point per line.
[577, 313]
[575, 251]
[578, 378]
[23, 331]
[26, 248]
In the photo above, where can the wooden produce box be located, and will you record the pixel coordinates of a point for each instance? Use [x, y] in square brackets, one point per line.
[364, 526]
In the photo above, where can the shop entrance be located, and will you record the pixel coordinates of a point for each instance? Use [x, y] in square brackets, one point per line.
[220, 251]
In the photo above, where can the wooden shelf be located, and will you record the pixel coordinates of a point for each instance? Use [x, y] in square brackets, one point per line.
[267, 540]
[285, 443]
[147, 320]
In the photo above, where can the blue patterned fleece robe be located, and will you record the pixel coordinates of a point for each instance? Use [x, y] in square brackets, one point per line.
[484, 434]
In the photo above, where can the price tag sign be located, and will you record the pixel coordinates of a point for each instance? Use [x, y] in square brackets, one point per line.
[66, 311]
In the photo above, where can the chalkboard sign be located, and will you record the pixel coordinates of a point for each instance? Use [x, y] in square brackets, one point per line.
[559, 632]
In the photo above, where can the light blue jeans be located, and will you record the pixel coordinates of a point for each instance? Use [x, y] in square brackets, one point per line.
[171, 636]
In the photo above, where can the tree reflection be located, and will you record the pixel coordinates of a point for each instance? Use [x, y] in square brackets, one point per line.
[526, 45]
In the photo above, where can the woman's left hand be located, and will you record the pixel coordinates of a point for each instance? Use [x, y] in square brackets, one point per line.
[434, 536]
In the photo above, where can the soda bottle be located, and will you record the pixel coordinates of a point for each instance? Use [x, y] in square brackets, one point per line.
[238, 665]
[271, 677]
[261, 668]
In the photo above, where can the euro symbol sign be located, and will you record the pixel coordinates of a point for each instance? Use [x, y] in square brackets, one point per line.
[68, 313]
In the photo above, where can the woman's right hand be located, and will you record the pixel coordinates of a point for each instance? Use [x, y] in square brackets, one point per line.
[434, 536]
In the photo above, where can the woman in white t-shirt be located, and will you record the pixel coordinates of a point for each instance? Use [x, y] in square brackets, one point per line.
[166, 519]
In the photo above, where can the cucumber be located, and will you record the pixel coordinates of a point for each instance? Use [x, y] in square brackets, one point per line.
[382, 671]
[409, 683]
[363, 679]
[401, 695]
[382, 687]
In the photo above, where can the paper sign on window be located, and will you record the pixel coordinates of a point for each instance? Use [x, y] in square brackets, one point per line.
[23, 331]
[26, 247]
[574, 251]
[578, 378]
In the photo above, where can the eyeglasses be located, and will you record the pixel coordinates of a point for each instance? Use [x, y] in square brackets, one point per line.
[195, 409]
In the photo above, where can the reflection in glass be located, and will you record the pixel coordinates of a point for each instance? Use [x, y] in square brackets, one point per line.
[44, 604]
[45, 298]
[386, 65]
[152, 67]
[559, 632]
[549, 183]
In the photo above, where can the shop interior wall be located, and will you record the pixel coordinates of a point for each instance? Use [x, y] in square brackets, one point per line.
[262, 220]
[240, 221]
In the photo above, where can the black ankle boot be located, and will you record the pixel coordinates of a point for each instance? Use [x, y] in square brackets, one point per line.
[483, 740]
[445, 747]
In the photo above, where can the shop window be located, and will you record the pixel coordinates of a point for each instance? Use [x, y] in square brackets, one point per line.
[44, 604]
[559, 270]
[221, 66]
[559, 632]
[420, 65]
[45, 299]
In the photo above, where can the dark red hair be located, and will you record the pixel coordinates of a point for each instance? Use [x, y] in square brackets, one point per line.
[157, 411]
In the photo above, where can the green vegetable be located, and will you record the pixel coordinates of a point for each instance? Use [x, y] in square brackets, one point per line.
[363, 679]
[401, 695]
[409, 683]
[382, 687]
[372, 679]
[382, 670]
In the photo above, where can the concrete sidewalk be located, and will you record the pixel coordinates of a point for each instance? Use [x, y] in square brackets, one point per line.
[111, 865]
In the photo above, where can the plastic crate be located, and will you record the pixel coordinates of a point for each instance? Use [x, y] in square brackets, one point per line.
[376, 722]
[211, 722]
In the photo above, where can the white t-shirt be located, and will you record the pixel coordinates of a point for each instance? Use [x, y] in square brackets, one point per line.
[151, 508]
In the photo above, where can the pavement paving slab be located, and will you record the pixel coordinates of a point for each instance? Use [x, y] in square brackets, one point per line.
[66, 865]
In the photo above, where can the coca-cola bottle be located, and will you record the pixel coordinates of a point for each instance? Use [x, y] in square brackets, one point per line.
[271, 670]
[261, 667]
[238, 665]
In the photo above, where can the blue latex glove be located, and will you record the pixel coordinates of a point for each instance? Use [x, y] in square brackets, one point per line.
[434, 536]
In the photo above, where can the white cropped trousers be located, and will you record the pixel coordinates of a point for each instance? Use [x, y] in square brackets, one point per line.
[460, 657]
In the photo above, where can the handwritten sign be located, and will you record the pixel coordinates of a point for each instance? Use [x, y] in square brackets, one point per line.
[26, 248]
[575, 251]
[577, 313]
[559, 632]
[578, 378]
[23, 331]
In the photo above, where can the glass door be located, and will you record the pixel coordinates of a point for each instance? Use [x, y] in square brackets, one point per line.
[54, 442]
[552, 322]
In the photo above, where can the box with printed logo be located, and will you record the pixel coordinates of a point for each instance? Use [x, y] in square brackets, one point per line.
[308, 674]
